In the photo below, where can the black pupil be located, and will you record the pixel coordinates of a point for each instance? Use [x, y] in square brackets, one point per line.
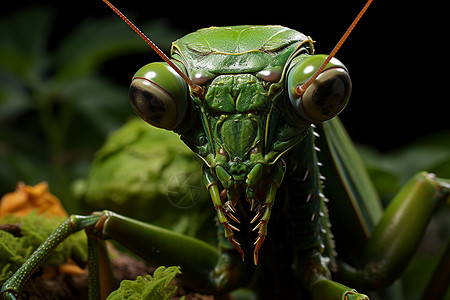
[146, 105]
[331, 94]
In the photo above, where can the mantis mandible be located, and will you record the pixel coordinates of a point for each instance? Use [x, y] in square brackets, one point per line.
[252, 102]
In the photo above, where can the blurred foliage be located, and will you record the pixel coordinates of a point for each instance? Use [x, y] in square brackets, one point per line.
[390, 171]
[56, 108]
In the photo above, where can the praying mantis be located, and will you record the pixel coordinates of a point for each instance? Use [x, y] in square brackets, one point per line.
[259, 108]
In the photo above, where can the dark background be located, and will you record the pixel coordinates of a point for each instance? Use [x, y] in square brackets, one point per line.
[397, 93]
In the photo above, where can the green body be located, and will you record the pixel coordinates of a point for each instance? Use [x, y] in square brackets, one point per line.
[254, 132]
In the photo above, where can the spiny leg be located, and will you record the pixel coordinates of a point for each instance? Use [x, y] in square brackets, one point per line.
[228, 208]
[266, 209]
[221, 214]
[223, 210]
[265, 212]
[101, 279]
[313, 246]
[75, 223]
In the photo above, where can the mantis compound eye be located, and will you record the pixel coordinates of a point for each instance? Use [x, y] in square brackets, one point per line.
[159, 95]
[326, 96]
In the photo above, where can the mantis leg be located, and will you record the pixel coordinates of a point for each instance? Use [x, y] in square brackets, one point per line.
[317, 277]
[101, 278]
[378, 243]
[330, 290]
[204, 267]
[75, 223]
[400, 230]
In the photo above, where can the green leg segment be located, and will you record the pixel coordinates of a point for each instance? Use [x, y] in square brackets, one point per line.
[395, 239]
[329, 290]
[73, 224]
[393, 242]
[101, 278]
[316, 277]
[159, 246]
[400, 230]
[93, 267]
[203, 266]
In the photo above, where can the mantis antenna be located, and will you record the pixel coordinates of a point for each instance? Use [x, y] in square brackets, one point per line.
[195, 88]
[302, 88]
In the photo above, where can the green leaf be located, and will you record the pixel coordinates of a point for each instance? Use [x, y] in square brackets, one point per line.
[35, 229]
[23, 49]
[156, 287]
[96, 41]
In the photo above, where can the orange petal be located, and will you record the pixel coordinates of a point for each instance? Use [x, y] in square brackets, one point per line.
[26, 198]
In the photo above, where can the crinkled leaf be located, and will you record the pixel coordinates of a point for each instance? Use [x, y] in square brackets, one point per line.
[156, 287]
[35, 229]
[149, 174]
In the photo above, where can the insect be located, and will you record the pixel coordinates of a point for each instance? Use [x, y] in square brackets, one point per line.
[251, 102]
